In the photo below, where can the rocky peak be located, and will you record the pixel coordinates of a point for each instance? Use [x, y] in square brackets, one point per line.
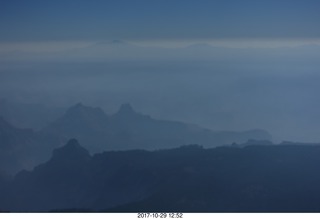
[79, 107]
[82, 111]
[126, 109]
[72, 151]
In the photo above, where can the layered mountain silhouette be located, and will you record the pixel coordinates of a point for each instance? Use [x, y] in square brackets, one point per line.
[74, 179]
[128, 129]
[82, 122]
[23, 148]
[16, 148]
[27, 115]
[257, 178]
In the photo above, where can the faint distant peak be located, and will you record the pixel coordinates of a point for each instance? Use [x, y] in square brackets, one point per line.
[71, 151]
[73, 143]
[5, 125]
[118, 42]
[260, 134]
[126, 113]
[112, 42]
[310, 46]
[75, 108]
[77, 105]
[3, 101]
[126, 109]
[200, 46]
[3, 122]
[7, 128]
[79, 108]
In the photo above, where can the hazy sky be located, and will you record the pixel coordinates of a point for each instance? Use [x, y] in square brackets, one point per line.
[39, 20]
[261, 70]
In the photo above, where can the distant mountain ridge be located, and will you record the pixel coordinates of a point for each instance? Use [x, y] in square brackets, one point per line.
[28, 115]
[128, 129]
[22, 148]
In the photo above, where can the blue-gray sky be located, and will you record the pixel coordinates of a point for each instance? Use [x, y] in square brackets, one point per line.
[257, 64]
[39, 20]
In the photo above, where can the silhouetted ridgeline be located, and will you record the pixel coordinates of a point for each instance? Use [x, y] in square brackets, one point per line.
[25, 148]
[128, 129]
[273, 178]
[23, 115]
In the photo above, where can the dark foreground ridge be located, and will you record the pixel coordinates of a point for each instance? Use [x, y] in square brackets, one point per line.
[269, 178]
